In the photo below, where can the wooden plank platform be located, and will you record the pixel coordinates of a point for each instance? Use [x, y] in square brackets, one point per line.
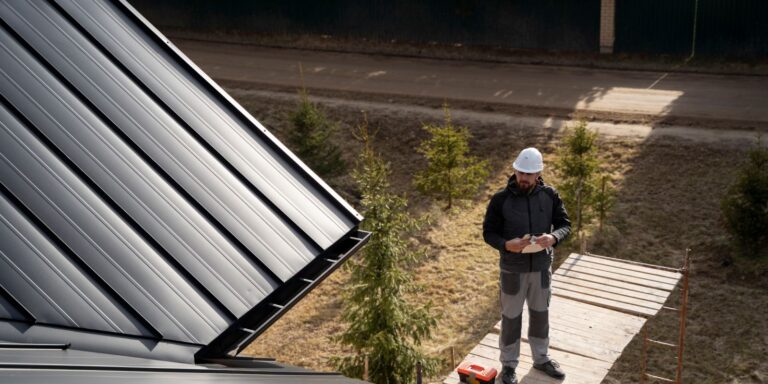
[614, 284]
[579, 369]
[576, 327]
[598, 305]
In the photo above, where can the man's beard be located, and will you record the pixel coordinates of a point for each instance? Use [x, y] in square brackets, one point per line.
[525, 186]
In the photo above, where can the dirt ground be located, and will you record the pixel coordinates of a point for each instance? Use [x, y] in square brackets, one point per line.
[669, 190]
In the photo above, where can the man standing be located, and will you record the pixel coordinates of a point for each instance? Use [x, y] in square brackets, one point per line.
[524, 222]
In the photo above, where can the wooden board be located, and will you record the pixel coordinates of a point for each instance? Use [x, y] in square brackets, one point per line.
[586, 315]
[586, 330]
[616, 267]
[624, 265]
[613, 284]
[559, 287]
[567, 269]
[661, 299]
[578, 369]
[603, 270]
[595, 311]
[574, 309]
[610, 282]
[612, 304]
[650, 275]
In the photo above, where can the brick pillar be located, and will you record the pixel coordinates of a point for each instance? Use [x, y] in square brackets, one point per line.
[607, 25]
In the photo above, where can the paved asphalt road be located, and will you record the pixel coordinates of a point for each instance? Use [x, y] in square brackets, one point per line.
[691, 96]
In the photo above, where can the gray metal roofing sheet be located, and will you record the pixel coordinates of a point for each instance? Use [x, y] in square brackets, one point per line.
[40, 272]
[157, 132]
[47, 364]
[102, 342]
[38, 376]
[248, 153]
[95, 232]
[7, 310]
[137, 199]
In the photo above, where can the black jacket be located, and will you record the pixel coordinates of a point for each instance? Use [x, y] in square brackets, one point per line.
[512, 213]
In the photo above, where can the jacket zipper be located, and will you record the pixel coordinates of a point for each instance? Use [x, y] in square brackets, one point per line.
[530, 230]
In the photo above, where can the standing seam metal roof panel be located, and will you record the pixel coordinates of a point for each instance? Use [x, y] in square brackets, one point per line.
[82, 220]
[119, 171]
[26, 251]
[213, 122]
[165, 140]
[138, 201]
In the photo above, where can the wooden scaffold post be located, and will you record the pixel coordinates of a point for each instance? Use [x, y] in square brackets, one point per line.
[683, 314]
[680, 346]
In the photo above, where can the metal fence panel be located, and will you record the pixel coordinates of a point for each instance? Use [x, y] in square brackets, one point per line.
[558, 25]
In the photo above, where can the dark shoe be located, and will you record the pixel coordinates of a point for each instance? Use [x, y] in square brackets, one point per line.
[508, 375]
[551, 368]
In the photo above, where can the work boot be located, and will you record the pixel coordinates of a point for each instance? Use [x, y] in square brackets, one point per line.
[551, 368]
[508, 375]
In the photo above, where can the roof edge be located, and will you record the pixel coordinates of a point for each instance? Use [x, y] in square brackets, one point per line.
[18, 332]
[275, 305]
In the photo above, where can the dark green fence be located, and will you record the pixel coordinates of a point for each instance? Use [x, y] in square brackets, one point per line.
[736, 28]
[557, 25]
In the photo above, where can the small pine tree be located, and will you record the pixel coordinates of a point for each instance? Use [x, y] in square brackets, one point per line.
[382, 324]
[576, 165]
[310, 139]
[450, 173]
[745, 207]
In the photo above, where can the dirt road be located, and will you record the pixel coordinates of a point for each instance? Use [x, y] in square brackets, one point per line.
[739, 101]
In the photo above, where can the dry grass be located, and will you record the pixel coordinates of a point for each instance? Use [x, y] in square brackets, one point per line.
[669, 192]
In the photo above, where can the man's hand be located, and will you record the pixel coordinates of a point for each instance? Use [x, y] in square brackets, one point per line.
[546, 241]
[516, 245]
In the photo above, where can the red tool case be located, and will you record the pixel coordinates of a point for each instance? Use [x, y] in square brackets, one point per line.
[474, 373]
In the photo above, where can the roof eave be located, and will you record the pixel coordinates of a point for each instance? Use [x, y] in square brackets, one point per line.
[249, 326]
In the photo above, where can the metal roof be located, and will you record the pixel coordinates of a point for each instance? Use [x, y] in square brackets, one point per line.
[54, 364]
[143, 212]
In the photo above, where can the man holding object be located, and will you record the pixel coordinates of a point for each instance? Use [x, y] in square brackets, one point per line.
[524, 221]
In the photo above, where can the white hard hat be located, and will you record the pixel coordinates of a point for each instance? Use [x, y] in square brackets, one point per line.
[529, 161]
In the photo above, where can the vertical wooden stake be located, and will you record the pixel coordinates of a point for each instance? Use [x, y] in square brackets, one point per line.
[683, 315]
[583, 239]
[453, 358]
[645, 354]
[365, 368]
[602, 211]
[418, 372]
[578, 205]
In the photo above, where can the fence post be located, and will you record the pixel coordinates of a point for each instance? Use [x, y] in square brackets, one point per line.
[695, 25]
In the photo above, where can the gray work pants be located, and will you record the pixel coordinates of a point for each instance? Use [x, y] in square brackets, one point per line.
[516, 288]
